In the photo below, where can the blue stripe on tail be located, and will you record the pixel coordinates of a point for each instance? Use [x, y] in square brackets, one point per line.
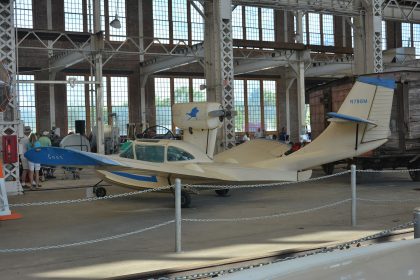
[383, 82]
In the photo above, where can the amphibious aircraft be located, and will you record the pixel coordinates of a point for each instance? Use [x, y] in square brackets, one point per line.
[360, 125]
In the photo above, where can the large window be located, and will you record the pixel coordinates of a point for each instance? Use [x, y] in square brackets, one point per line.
[73, 15]
[239, 105]
[411, 36]
[175, 90]
[78, 17]
[163, 103]
[328, 30]
[26, 99]
[119, 102]
[270, 108]
[76, 103]
[384, 45]
[255, 105]
[178, 21]
[23, 14]
[252, 23]
[116, 7]
[317, 29]
[81, 102]
[181, 90]
[199, 93]
[237, 23]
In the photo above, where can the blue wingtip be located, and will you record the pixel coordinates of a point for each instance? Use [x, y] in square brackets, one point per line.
[383, 82]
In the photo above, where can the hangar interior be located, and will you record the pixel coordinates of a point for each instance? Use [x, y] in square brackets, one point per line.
[124, 63]
[167, 52]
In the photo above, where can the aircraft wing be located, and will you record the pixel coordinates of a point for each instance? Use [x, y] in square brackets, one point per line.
[201, 171]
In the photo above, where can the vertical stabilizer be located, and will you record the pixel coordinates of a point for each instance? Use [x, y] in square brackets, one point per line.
[360, 125]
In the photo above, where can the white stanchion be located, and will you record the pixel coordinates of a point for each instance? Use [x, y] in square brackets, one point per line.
[4, 207]
[353, 196]
[178, 217]
[417, 223]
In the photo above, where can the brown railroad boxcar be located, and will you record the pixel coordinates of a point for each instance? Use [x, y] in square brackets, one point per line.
[403, 146]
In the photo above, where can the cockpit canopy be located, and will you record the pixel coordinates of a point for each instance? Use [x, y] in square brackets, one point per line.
[153, 152]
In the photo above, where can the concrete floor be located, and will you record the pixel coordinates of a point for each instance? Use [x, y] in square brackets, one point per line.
[202, 242]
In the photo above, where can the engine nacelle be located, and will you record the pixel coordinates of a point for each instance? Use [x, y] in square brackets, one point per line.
[196, 115]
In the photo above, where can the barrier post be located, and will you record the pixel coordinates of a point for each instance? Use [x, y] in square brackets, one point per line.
[353, 195]
[4, 206]
[417, 223]
[178, 215]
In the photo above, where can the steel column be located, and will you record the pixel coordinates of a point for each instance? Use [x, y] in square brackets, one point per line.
[9, 122]
[98, 43]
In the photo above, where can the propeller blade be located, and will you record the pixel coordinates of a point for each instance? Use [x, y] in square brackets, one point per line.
[217, 113]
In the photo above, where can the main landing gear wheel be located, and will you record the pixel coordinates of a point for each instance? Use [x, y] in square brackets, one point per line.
[185, 199]
[328, 168]
[222, 192]
[100, 191]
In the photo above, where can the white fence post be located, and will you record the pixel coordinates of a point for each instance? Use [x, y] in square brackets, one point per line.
[353, 195]
[178, 215]
[417, 223]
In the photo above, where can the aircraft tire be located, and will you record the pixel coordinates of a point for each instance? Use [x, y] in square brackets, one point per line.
[100, 192]
[185, 199]
[222, 192]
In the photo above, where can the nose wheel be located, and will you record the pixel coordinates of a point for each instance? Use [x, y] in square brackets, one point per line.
[99, 191]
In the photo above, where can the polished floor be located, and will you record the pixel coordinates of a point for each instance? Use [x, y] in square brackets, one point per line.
[202, 242]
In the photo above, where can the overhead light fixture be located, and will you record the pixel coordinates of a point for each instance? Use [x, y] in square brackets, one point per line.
[115, 23]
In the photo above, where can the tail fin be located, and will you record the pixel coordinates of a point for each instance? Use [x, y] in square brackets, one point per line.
[371, 98]
[360, 125]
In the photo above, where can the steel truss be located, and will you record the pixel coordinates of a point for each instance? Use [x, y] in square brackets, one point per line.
[392, 9]
[9, 123]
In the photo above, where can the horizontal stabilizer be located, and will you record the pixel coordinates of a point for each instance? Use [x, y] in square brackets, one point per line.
[67, 157]
[342, 117]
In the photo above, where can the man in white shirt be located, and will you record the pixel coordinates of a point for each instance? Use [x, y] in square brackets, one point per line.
[259, 133]
[23, 146]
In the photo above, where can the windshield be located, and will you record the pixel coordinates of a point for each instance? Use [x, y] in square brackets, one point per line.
[177, 154]
[150, 153]
[127, 150]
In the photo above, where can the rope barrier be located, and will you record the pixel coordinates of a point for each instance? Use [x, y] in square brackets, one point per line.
[90, 199]
[117, 236]
[270, 216]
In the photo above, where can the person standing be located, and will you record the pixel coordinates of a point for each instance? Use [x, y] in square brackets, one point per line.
[34, 143]
[23, 147]
[45, 141]
[245, 137]
[259, 133]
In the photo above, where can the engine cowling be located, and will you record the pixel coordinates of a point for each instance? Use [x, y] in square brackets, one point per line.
[196, 115]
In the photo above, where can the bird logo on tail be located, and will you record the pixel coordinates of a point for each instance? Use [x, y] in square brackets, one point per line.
[193, 113]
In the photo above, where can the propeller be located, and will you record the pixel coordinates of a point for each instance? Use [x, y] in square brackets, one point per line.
[221, 114]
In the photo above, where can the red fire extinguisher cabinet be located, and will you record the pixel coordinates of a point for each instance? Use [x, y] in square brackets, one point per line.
[10, 152]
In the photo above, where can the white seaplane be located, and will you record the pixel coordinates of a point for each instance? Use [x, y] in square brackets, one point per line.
[361, 124]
